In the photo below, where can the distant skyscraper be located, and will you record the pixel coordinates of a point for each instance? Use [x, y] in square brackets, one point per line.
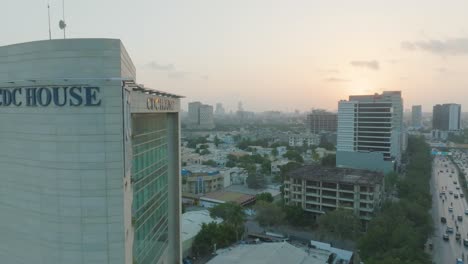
[446, 117]
[416, 114]
[370, 131]
[321, 120]
[220, 110]
[200, 116]
[240, 107]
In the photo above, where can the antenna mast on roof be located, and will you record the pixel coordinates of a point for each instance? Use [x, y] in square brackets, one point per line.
[48, 12]
[62, 23]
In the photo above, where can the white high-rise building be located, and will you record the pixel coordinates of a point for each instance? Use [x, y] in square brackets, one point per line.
[200, 116]
[370, 131]
[446, 117]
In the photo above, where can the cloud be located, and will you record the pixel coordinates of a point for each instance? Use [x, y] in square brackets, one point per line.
[452, 46]
[161, 67]
[370, 64]
[333, 79]
[172, 71]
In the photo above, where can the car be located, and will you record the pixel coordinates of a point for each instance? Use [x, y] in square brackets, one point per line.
[466, 211]
[465, 242]
[455, 196]
[445, 237]
[450, 192]
[443, 220]
[455, 182]
[460, 218]
[459, 261]
[449, 230]
[462, 195]
[458, 187]
[457, 236]
[450, 209]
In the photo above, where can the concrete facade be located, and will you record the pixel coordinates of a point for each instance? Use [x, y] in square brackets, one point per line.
[66, 193]
[319, 190]
[369, 124]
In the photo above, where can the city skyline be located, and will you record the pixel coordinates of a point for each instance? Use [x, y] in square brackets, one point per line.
[291, 56]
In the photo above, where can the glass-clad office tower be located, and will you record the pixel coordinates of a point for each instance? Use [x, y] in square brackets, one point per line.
[90, 163]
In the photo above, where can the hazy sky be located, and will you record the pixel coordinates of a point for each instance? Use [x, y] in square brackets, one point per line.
[282, 55]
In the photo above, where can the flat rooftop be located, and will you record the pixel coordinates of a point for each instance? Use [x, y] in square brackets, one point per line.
[223, 196]
[344, 175]
[269, 253]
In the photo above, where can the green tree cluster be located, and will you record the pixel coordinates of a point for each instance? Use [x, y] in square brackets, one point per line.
[342, 223]
[211, 235]
[245, 143]
[329, 160]
[293, 155]
[324, 143]
[296, 216]
[210, 162]
[193, 142]
[232, 214]
[268, 214]
[398, 233]
[264, 196]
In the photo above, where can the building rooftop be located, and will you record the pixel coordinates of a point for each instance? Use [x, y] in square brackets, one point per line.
[143, 89]
[223, 196]
[192, 222]
[269, 253]
[329, 174]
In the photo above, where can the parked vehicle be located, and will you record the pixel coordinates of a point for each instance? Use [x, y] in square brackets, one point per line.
[460, 218]
[443, 220]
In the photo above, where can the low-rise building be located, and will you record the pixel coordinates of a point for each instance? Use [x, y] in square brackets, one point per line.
[220, 197]
[276, 165]
[276, 253]
[299, 140]
[320, 189]
[199, 180]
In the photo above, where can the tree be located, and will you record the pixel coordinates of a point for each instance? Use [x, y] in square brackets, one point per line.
[324, 143]
[210, 162]
[211, 234]
[264, 196]
[293, 156]
[274, 152]
[266, 166]
[296, 216]
[268, 214]
[285, 169]
[232, 214]
[230, 164]
[401, 228]
[329, 160]
[193, 142]
[204, 152]
[341, 222]
[255, 180]
[216, 141]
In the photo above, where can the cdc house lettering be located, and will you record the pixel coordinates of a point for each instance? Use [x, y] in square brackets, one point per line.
[44, 96]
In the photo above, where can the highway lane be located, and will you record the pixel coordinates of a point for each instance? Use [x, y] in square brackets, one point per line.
[447, 251]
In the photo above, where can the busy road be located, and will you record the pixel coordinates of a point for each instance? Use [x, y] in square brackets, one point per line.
[448, 212]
